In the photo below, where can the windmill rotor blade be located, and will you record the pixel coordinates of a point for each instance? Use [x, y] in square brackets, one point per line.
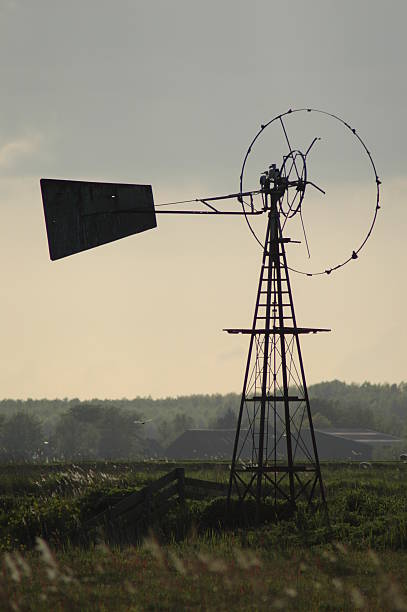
[311, 145]
[290, 149]
[305, 235]
[81, 215]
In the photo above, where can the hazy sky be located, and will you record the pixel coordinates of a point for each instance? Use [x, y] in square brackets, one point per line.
[171, 93]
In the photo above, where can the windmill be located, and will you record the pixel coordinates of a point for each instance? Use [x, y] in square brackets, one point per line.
[275, 452]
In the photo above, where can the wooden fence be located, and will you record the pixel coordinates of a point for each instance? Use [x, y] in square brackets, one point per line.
[129, 519]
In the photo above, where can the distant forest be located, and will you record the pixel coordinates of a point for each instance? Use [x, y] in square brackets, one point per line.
[70, 429]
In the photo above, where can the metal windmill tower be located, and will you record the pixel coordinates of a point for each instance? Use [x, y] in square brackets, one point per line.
[277, 447]
[275, 452]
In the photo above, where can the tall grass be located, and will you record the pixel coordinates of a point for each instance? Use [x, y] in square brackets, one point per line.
[193, 559]
[367, 508]
[204, 574]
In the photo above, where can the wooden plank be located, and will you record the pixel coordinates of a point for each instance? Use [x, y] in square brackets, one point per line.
[128, 502]
[133, 514]
[205, 484]
[165, 494]
[200, 494]
[135, 499]
[102, 517]
[164, 480]
[135, 504]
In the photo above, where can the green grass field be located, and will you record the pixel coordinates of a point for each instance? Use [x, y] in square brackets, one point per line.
[189, 561]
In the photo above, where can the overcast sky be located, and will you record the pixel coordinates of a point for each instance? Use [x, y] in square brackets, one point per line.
[171, 93]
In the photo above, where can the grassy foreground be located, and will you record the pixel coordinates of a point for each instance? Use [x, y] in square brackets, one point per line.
[192, 564]
[203, 575]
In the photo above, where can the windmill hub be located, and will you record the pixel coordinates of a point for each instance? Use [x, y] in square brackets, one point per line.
[272, 184]
[290, 181]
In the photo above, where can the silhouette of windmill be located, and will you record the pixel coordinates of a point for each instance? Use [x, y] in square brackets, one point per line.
[275, 452]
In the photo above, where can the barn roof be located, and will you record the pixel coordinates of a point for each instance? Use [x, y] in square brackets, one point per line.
[365, 436]
[202, 444]
[333, 443]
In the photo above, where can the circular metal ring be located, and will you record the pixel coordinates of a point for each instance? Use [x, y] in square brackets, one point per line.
[354, 253]
[293, 204]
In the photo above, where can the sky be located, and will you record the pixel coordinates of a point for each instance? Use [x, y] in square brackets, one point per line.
[171, 94]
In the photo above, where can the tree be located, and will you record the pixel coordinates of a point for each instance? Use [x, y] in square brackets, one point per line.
[95, 431]
[75, 439]
[227, 420]
[118, 434]
[21, 437]
[321, 421]
[169, 430]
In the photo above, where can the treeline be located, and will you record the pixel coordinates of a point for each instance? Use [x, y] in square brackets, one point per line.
[144, 427]
[96, 430]
[85, 431]
[382, 407]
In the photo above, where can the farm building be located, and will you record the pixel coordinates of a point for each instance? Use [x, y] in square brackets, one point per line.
[202, 444]
[369, 437]
[335, 444]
